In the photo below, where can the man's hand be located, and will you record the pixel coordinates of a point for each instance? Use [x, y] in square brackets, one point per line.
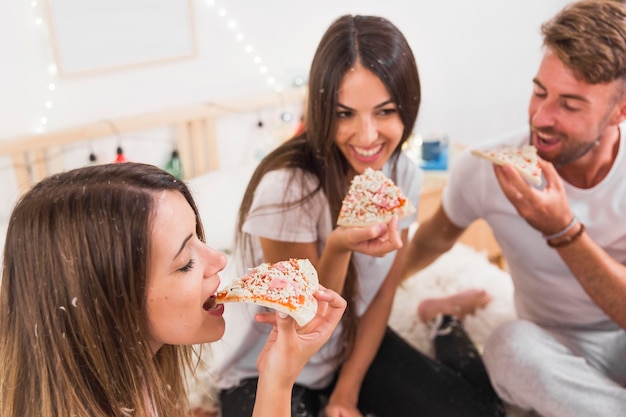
[545, 209]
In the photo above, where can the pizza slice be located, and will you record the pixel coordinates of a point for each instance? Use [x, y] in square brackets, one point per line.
[373, 198]
[286, 286]
[523, 159]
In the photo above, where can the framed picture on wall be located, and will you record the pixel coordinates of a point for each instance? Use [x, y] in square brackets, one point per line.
[100, 35]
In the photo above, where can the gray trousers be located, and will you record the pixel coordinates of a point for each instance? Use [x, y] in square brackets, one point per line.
[559, 372]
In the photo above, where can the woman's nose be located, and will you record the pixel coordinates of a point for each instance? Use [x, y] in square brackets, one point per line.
[215, 261]
[368, 130]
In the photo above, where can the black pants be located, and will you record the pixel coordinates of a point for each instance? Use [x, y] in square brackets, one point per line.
[401, 382]
[239, 401]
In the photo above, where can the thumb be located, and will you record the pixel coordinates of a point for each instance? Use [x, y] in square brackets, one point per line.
[549, 172]
[393, 223]
[394, 234]
[284, 322]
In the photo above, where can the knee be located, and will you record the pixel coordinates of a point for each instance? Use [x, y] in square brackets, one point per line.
[513, 347]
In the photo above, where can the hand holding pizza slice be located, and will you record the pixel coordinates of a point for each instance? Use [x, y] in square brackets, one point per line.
[286, 286]
[373, 198]
[523, 159]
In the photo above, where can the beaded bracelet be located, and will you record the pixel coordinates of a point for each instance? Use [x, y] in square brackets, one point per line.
[562, 232]
[571, 239]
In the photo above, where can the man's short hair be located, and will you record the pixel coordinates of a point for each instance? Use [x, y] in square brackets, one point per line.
[589, 37]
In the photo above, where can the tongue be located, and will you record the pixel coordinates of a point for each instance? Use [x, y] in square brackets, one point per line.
[209, 304]
[549, 141]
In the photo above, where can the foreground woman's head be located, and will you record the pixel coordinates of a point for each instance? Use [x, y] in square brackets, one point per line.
[104, 270]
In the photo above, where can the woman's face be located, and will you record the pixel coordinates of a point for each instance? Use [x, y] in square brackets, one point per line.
[369, 127]
[183, 278]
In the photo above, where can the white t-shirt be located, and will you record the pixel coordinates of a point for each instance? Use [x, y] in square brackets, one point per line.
[546, 292]
[237, 352]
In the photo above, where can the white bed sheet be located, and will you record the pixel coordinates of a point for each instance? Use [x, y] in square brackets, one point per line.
[218, 195]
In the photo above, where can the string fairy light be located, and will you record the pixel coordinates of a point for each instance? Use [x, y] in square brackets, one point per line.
[50, 74]
[263, 69]
[52, 71]
[52, 82]
[248, 49]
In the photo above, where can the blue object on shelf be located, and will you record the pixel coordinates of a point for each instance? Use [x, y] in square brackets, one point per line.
[434, 156]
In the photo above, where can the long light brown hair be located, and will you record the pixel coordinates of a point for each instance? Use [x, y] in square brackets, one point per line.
[73, 299]
[378, 46]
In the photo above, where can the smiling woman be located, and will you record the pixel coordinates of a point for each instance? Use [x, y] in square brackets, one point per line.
[364, 96]
[107, 282]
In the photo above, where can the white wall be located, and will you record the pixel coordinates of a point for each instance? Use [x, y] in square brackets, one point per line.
[476, 60]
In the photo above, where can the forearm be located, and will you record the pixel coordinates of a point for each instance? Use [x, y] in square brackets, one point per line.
[433, 237]
[602, 277]
[370, 332]
[272, 400]
[332, 265]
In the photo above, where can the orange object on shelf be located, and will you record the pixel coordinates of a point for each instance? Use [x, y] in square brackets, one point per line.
[120, 156]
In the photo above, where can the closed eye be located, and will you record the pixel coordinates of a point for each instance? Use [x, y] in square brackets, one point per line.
[188, 267]
[567, 106]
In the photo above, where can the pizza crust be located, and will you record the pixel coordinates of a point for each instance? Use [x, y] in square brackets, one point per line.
[373, 198]
[524, 160]
[285, 286]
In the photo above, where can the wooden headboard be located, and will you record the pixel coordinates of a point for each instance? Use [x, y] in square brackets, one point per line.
[194, 128]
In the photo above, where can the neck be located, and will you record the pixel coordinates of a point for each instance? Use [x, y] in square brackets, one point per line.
[593, 167]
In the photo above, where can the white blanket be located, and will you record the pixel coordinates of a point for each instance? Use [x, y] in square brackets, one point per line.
[460, 268]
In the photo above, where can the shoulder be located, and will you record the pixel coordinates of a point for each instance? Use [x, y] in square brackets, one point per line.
[406, 166]
[287, 177]
[407, 172]
[285, 185]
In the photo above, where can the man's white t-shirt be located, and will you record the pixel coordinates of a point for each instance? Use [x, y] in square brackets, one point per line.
[546, 292]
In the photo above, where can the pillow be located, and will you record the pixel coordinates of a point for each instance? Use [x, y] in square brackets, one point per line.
[218, 195]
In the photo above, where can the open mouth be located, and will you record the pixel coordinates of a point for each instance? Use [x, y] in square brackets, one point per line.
[546, 137]
[547, 140]
[210, 304]
[369, 152]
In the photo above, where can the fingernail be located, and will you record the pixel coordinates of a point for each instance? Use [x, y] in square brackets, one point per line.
[282, 315]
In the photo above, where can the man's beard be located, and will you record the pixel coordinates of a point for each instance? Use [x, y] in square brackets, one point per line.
[570, 153]
[574, 153]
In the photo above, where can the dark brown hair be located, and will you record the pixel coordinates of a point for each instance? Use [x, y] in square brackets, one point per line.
[72, 304]
[377, 45]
